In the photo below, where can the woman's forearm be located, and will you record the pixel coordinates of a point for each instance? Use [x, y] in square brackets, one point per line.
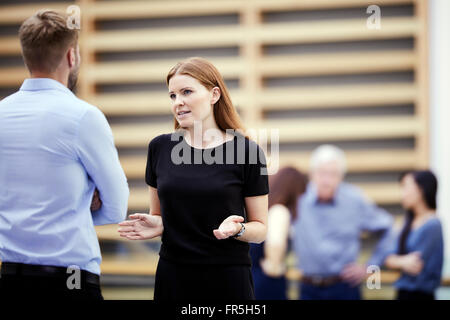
[255, 232]
[394, 261]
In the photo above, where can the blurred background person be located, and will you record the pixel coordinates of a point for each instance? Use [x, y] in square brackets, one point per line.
[268, 258]
[419, 249]
[327, 234]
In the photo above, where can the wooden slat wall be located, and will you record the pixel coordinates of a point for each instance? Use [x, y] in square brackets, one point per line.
[254, 69]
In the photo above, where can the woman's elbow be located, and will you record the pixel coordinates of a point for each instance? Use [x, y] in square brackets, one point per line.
[262, 234]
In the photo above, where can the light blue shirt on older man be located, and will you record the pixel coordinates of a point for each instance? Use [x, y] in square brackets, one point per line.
[327, 236]
[55, 149]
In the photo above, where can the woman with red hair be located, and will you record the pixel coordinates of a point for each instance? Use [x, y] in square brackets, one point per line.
[208, 192]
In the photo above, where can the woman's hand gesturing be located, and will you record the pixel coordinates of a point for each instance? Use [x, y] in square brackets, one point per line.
[141, 226]
[229, 227]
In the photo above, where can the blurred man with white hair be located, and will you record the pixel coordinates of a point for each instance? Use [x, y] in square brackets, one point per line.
[332, 214]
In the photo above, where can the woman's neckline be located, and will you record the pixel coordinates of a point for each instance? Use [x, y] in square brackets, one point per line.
[428, 219]
[209, 148]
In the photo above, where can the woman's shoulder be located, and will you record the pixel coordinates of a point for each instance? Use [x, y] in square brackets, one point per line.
[432, 226]
[253, 151]
[433, 223]
[162, 139]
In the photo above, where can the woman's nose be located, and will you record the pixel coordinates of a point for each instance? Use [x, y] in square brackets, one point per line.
[179, 100]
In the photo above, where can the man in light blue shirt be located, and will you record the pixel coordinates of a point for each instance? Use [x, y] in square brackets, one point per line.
[332, 215]
[55, 150]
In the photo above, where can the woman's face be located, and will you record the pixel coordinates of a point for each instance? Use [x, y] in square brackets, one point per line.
[411, 194]
[191, 101]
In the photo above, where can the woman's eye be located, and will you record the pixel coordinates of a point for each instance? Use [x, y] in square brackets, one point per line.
[172, 96]
[187, 91]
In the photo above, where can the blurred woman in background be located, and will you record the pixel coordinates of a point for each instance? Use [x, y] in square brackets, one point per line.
[268, 258]
[418, 252]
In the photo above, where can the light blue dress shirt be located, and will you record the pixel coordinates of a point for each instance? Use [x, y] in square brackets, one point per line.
[55, 149]
[327, 235]
[428, 240]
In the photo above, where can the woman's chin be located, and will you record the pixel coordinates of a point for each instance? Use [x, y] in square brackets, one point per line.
[185, 124]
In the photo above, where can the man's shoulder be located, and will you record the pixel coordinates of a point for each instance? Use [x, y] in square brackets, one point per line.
[81, 110]
[85, 107]
[351, 191]
[9, 99]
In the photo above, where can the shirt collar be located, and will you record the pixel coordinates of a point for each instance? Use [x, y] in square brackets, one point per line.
[312, 191]
[37, 84]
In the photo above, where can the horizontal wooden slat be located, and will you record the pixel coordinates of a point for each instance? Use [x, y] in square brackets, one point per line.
[137, 9]
[10, 45]
[387, 277]
[220, 36]
[337, 63]
[11, 14]
[129, 266]
[143, 71]
[113, 10]
[147, 267]
[331, 129]
[16, 14]
[357, 161]
[167, 38]
[338, 96]
[289, 5]
[333, 30]
[144, 267]
[12, 76]
[138, 135]
[138, 103]
[381, 193]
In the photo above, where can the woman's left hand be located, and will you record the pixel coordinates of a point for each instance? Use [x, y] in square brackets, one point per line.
[229, 227]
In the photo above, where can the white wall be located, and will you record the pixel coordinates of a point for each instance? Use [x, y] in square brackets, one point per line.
[439, 37]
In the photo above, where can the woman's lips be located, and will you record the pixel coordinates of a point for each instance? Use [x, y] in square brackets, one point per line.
[183, 114]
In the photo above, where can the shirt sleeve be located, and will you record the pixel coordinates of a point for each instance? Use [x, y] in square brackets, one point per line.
[256, 182]
[430, 239]
[98, 154]
[376, 219]
[150, 174]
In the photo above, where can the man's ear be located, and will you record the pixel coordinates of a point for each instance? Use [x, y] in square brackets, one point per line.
[215, 95]
[71, 58]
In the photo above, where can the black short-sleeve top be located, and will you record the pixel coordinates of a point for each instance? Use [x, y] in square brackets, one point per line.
[198, 189]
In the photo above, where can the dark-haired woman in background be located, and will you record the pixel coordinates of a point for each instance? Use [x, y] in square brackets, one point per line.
[268, 258]
[418, 252]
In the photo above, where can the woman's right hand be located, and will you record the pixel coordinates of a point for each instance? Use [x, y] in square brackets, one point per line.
[412, 263]
[141, 226]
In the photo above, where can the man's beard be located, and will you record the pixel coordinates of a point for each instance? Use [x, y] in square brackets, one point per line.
[72, 81]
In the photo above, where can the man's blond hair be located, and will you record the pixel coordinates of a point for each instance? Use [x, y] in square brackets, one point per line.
[45, 37]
